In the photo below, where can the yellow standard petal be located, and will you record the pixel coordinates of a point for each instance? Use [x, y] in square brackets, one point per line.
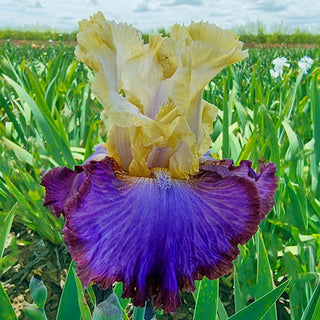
[152, 93]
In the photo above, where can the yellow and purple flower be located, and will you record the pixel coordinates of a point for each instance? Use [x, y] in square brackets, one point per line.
[150, 208]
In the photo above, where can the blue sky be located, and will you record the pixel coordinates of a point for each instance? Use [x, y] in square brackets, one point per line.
[150, 15]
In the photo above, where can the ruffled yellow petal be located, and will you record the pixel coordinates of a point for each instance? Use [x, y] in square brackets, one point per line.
[106, 47]
[142, 77]
[152, 93]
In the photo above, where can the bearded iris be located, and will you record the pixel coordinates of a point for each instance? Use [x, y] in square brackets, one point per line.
[150, 208]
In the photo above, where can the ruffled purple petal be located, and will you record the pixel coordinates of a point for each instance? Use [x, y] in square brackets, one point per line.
[157, 235]
[62, 183]
[266, 180]
[58, 184]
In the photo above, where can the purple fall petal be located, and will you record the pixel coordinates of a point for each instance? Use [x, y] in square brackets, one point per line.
[266, 181]
[157, 235]
[58, 184]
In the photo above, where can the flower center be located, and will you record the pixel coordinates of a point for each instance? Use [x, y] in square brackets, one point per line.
[163, 178]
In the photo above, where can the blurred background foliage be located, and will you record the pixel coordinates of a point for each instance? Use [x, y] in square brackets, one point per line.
[253, 34]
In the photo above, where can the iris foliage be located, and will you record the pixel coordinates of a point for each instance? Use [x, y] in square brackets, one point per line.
[50, 118]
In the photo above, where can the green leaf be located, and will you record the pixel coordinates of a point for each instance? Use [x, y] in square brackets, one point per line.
[57, 141]
[33, 218]
[239, 301]
[13, 119]
[293, 139]
[258, 309]
[118, 288]
[138, 313]
[15, 191]
[222, 313]
[273, 139]
[297, 294]
[227, 111]
[20, 153]
[299, 206]
[69, 303]
[6, 219]
[312, 310]
[84, 308]
[315, 114]
[91, 294]
[6, 310]
[264, 275]
[206, 300]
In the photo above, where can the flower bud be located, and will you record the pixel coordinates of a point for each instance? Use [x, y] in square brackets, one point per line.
[33, 312]
[38, 290]
[108, 309]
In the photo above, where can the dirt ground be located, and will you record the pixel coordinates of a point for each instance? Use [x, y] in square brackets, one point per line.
[36, 254]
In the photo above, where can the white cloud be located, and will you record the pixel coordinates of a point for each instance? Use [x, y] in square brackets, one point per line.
[187, 2]
[38, 4]
[269, 6]
[66, 17]
[151, 15]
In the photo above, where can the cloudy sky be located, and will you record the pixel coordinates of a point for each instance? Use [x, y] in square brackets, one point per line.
[150, 15]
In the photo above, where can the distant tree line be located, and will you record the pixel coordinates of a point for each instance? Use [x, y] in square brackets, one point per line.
[261, 37]
[278, 37]
[37, 35]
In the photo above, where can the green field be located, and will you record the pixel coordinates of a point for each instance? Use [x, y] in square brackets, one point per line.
[50, 118]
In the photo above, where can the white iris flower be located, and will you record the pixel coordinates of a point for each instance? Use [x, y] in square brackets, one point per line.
[279, 63]
[305, 64]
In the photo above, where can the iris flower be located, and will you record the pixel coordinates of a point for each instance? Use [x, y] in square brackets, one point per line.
[279, 63]
[305, 63]
[151, 208]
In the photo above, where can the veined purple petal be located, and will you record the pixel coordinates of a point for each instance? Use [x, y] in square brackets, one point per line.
[266, 181]
[157, 235]
[62, 183]
[58, 183]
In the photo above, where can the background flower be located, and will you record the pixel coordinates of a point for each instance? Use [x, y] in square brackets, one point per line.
[305, 64]
[279, 63]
